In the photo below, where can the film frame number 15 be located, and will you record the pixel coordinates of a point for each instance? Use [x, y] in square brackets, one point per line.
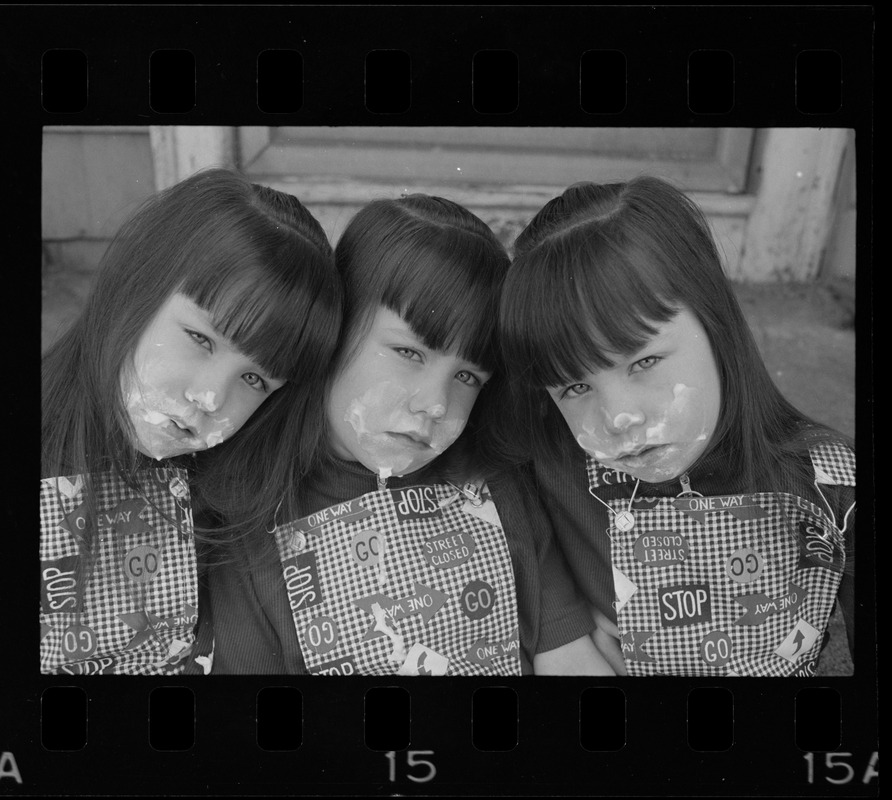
[412, 760]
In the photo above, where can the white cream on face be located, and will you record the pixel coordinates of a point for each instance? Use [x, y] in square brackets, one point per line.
[152, 412]
[382, 411]
[371, 416]
[187, 387]
[666, 397]
[680, 427]
[397, 404]
[606, 444]
[205, 400]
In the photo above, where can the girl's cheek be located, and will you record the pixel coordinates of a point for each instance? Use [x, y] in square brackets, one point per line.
[154, 405]
[377, 408]
[591, 435]
[445, 433]
[150, 361]
[589, 441]
[686, 417]
[220, 430]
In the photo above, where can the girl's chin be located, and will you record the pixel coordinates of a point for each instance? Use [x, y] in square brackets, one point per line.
[160, 453]
[657, 466]
[396, 470]
[391, 467]
[161, 446]
[652, 475]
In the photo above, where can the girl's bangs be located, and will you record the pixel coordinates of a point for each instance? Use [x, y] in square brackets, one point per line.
[571, 305]
[270, 314]
[450, 301]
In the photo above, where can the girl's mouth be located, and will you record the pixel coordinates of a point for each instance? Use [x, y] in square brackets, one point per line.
[645, 454]
[178, 430]
[411, 439]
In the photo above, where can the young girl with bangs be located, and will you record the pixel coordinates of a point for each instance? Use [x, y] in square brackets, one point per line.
[708, 522]
[215, 304]
[400, 554]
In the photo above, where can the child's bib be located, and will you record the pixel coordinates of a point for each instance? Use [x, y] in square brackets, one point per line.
[412, 581]
[140, 604]
[728, 585]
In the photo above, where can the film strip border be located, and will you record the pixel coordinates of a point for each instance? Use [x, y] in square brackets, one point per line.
[553, 736]
[761, 66]
[494, 81]
[468, 65]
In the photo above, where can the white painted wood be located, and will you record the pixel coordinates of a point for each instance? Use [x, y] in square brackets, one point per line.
[839, 257]
[182, 150]
[505, 208]
[789, 226]
[252, 140]
[93, 177]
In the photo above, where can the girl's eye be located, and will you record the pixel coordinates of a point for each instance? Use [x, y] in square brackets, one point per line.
[199, 338]
[469, 378]
[576, 390]
[255, 381]
[645, 363]
[408, 353]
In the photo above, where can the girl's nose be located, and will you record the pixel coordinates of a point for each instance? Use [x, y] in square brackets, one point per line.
[624, 420]
[431, 398]
[207, 391]
[621, 412]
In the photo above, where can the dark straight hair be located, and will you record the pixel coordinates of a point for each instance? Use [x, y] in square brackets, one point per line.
[595, 270]
[256, 260]
[440, 268]
[429, 260]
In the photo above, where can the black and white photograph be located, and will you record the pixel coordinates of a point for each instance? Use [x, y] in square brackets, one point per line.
[521, 348]
[452, 484]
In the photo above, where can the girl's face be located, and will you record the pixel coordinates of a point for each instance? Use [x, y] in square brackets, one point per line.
[398, 404]
[188, 388]
[653, 413]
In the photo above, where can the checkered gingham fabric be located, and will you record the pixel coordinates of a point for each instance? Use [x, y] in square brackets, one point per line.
[140, 605]
[837, 461]
[473, 632]
[736, 590]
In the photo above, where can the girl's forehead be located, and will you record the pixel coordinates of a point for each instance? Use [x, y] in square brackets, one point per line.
[386, 322]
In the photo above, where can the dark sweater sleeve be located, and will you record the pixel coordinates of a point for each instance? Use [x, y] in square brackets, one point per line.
[551, 611]
[565, 615]
[578, 525]
[253, 630]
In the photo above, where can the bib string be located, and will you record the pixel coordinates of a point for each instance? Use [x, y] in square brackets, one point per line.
[624, 520]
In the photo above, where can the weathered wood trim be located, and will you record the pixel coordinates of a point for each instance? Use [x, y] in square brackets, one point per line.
[252, 141]
[734, 150]
[352, 192]
[178, 151]
[792, 218]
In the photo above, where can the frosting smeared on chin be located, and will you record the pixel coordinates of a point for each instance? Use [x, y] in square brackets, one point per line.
[659, 452]
[393, 439]
[152, 413]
